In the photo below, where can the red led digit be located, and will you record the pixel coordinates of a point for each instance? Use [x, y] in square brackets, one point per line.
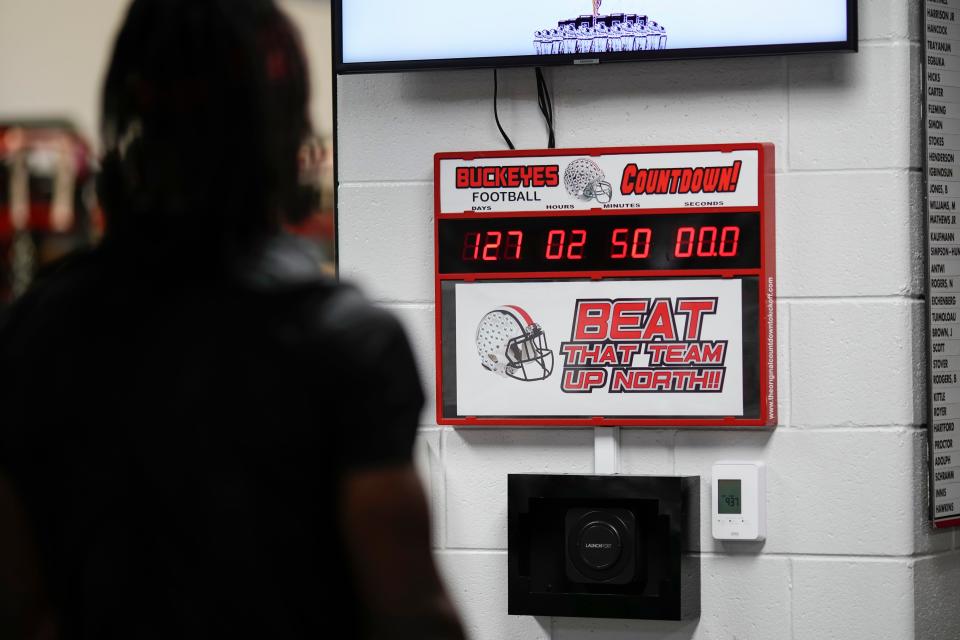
[575, 250]
[641, 243]
[729, 238]
[685, 236]
[707, 234]
[619, 247]
[556, 240]
[514, 245]
[492, 246]
[471, 246]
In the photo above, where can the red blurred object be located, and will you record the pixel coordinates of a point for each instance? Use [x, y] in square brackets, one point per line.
[47, 199]
[319, 227]
[316, 178]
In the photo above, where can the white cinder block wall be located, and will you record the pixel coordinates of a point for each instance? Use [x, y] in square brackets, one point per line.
[848, 555]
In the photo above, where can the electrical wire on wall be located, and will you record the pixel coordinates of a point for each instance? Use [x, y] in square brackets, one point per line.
[496, 116]
[543, 100]
[546, 106]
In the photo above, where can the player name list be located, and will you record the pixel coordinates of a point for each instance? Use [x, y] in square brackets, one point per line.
[942, 118]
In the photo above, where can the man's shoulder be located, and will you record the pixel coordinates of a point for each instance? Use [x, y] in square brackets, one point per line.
[342, 309]
[346, 327]
[289, 266]
[60, 284]
[66, 274]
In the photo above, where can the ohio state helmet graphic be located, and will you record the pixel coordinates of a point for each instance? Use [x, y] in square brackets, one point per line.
[512, 345]
[584, 179]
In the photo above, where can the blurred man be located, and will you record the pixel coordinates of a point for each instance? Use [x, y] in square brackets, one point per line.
[201, 437]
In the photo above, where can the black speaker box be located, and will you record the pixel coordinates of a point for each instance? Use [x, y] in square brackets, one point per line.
[604, 546]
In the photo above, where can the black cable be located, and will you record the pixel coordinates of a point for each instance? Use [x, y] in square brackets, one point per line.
[546, 106]
[496, 115]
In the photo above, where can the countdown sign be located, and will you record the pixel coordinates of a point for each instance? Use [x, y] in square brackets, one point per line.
[618, 286]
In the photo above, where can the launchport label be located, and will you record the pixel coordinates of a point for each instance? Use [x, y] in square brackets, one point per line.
[603, 181]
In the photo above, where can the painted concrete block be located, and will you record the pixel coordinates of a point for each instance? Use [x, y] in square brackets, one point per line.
[855, 111]
[477, 583]
[852, 599]
[681, 102]
[848, 234]
[889, 19]
[426, 458]
[856, 362]
[391, 125]
[742, 597]
[385, 234]
[477, 462]
[828, 492]
[935, 584]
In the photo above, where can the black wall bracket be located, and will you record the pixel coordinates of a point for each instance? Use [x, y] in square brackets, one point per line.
[604, 546]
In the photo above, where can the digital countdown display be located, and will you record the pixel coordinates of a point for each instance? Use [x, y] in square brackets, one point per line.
[623, 242]
[628, 286]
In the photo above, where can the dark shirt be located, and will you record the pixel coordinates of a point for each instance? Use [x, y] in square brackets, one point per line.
[178, 435]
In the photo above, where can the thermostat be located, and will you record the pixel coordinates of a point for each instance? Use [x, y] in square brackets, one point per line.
[739, 501]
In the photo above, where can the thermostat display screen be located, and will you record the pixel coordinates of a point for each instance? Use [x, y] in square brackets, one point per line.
[728, 496]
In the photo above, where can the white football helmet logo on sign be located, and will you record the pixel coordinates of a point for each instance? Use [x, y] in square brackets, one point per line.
[584, 179]
[512, 345]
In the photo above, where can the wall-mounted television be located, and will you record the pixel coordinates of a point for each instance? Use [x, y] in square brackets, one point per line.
[393, 35]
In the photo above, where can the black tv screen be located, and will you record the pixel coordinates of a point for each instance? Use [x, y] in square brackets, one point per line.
[393, 35]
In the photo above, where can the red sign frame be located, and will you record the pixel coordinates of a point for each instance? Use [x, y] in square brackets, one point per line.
[766, 329]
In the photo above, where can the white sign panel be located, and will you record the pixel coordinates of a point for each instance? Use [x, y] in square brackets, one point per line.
[942, 122]
[609, 348]
[670, 180]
